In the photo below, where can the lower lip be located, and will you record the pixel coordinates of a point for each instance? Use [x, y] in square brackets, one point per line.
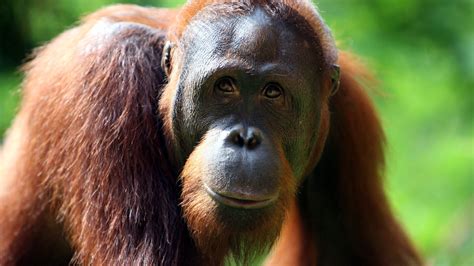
[238, 203]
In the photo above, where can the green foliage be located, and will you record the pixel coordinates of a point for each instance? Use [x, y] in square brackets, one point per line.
[9, 96]
[422, 52]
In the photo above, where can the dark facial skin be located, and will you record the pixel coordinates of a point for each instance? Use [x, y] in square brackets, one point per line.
[249, 91]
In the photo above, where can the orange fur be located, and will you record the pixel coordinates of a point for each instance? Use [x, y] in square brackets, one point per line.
[294, 246]
[74, 132]
[86, 156]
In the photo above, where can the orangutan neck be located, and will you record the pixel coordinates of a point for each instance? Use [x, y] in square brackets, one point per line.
[294, 246]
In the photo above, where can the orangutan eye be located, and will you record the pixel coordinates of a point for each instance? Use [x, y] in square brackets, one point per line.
[226, 85]
[272, 91]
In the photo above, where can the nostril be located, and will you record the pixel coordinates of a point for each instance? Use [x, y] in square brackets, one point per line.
[236, 138]
[252, 143]
[255, 138]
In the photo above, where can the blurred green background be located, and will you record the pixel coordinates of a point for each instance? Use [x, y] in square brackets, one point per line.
[423, 54]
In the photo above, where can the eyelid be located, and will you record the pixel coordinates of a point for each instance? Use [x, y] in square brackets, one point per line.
[226, 79]
[273, 85]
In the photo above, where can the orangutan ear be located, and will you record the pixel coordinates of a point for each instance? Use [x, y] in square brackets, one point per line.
[166, 57]
[335, 78]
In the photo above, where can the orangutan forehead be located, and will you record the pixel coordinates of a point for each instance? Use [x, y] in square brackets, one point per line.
[250, 39]
[228, 12]
[300, 13]
[252, 28]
